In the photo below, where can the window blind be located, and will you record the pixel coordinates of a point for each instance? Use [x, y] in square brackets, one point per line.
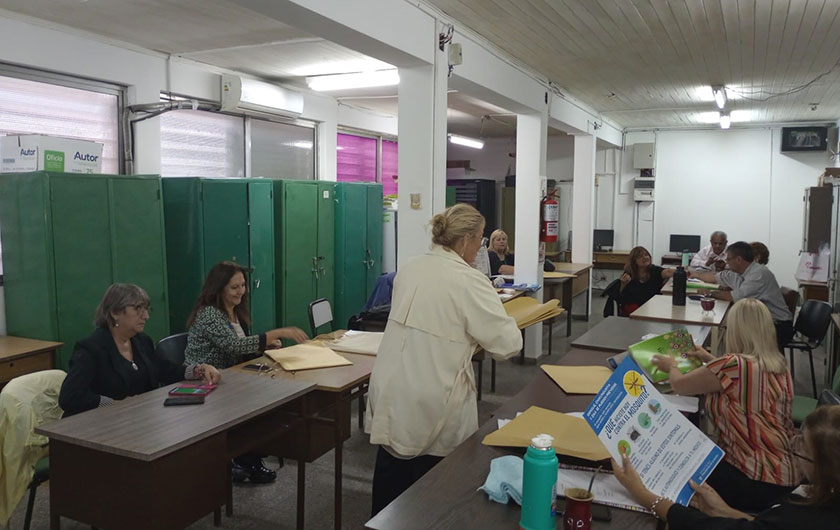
[355, 158]
[389, 167]
[201, 144]
[280, 150]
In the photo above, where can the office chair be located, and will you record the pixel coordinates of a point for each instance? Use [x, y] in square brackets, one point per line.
[172, 348]
[26, 402]
[791, 297]
[320, 314]
[803, 405]
[812, 323]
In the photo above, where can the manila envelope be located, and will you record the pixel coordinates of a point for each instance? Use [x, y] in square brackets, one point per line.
[578, 379]
[572, 436]
[307, 356]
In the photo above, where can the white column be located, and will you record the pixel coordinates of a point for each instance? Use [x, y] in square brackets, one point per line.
[327, 139]
[583, 200]
[531, 136]
[422, 154]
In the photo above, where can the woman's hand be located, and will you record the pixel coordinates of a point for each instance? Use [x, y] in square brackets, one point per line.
[664, 362]
[707, 500]
[700, 354]
[624, 278]
[296, 334]
[273, 345]
[209, 374]
[628, 478]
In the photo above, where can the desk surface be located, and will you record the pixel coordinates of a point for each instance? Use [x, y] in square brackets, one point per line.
[557, 275]
[140, 427]
[572, 268]
[661, 309]
[335, 379]
[447, 497]
[615, 334]
[12, 347]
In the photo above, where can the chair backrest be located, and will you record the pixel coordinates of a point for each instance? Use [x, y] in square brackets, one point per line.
[828, 398]
[814, 319]
[172, 348]
[320, 313]
[791, 297]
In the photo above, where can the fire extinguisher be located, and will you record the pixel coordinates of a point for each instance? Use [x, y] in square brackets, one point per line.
[549, 217]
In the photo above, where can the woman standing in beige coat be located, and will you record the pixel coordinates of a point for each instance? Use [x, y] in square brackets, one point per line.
[422, 389]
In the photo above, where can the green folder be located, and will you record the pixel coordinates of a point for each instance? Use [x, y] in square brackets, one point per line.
[675, 343]
[697, 284]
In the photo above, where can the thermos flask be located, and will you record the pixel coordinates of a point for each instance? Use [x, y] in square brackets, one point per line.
[679, 286]
[539, 485]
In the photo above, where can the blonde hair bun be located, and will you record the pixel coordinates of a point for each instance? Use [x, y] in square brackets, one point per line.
[455, 223]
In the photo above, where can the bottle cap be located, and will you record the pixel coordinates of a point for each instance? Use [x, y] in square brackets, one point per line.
[542, 441]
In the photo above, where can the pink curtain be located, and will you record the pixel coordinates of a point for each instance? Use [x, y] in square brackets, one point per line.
[389, 167]
[356, 158]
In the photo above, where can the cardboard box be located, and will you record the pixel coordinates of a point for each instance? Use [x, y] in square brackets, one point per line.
[35, 152]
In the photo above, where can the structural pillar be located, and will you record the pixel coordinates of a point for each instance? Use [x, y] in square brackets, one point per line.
[583, 202]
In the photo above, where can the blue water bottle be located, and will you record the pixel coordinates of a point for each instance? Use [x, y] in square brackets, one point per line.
[539, 485]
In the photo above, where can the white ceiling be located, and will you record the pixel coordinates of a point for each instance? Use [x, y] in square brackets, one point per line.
[640, 62]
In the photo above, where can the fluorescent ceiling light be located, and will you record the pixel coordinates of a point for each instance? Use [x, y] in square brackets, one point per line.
[725, 120]
[466, 142]
[323, 83]
[708, 117]
[720, 96]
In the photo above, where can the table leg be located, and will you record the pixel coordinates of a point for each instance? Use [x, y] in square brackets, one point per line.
[567, 305]
[588, 296]
[301, 492]
[492, 375]
[339, 450]
[480, 379]
[522, 351]
[55, 520]
[715, 338]
[217, 517]
[229, 505]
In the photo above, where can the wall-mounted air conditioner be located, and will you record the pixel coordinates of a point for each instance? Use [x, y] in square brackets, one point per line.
[243, 94]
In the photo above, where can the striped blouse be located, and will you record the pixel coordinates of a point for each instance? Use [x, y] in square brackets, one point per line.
[752, 415]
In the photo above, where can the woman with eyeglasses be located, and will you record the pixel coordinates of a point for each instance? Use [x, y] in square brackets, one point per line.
[816, 507]
[748, 399]
[119, 360]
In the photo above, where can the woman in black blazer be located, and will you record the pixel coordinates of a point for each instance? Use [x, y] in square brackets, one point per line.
[118, 359]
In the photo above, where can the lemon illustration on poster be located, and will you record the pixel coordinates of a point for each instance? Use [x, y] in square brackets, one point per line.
[631, 417]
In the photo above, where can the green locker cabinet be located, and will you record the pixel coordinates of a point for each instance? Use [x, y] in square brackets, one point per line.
[212, 220]
[304, 248]
[66, 237]
[358, 254]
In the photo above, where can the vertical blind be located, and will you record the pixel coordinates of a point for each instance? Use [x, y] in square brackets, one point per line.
[201, 144]
[389, 167]
[355, 158]
[281, 150]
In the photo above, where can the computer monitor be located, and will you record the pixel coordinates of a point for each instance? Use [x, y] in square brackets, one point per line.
[602, 239]
[682, 243]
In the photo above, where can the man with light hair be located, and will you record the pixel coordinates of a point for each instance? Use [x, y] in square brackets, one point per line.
[712, 257]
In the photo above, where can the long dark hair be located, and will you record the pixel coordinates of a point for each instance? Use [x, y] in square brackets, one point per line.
[213, 289]
[822, 427]
[631, 267]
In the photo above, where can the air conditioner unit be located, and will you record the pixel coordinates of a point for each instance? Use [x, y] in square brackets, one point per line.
[243, 94]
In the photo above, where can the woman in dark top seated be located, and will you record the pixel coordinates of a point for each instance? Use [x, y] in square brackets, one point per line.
[501, 259]
[640, 281]
[818, 509]
[119, 360]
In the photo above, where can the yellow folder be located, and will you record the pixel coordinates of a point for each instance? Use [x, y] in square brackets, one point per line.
[528, 311]
[578, 379]
[572, 435]
[307, 356]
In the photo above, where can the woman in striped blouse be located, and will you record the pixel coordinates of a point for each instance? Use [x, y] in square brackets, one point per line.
[748, 393]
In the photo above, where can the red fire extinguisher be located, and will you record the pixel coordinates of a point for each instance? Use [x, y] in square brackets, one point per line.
[549, 217]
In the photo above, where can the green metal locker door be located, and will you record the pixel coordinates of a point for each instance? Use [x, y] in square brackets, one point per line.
[29, 289]
[326, 244]
[82, 248]
[261, 256]
[184, 247]
[351, 251]
[137, 244]
[374, 235]
[225, 218]
[299, 243]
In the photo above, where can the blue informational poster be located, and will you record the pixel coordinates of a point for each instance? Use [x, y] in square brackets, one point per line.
[631, 417]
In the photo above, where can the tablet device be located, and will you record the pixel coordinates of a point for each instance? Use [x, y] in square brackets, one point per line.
[183, 400]
[191, 390]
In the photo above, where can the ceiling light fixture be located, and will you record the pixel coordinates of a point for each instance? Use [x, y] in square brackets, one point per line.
[324, 83]
[466, 142]
[725, 120]
[719, 92]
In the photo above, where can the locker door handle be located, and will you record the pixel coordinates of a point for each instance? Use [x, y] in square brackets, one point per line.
[257, 284]
[323, 271]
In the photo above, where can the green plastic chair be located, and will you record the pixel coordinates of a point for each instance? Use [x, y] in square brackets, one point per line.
[804, 405]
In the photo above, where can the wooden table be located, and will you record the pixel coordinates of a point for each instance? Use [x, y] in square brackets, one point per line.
[605, 259]
[579, 284]
[20, 356]
[565, 280]
[137, 464]
[447, 497]
[814, 290]
[615, 334]
[661, 309]
[326, 413]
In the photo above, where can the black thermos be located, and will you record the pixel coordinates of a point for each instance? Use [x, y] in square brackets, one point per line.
[679, 286]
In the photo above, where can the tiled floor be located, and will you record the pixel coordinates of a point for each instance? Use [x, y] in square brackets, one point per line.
[272, 506]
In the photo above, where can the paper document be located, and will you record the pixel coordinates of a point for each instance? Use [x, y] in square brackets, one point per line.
[307, 356]
[578, 379]
[606, 489]
[631, 417]
[684, 403]
[572, 436]
[528, 311]
[556, 274]
[365, 342]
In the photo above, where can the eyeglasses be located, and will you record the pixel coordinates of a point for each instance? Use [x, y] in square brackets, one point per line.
[798, 448]
[141, 308]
